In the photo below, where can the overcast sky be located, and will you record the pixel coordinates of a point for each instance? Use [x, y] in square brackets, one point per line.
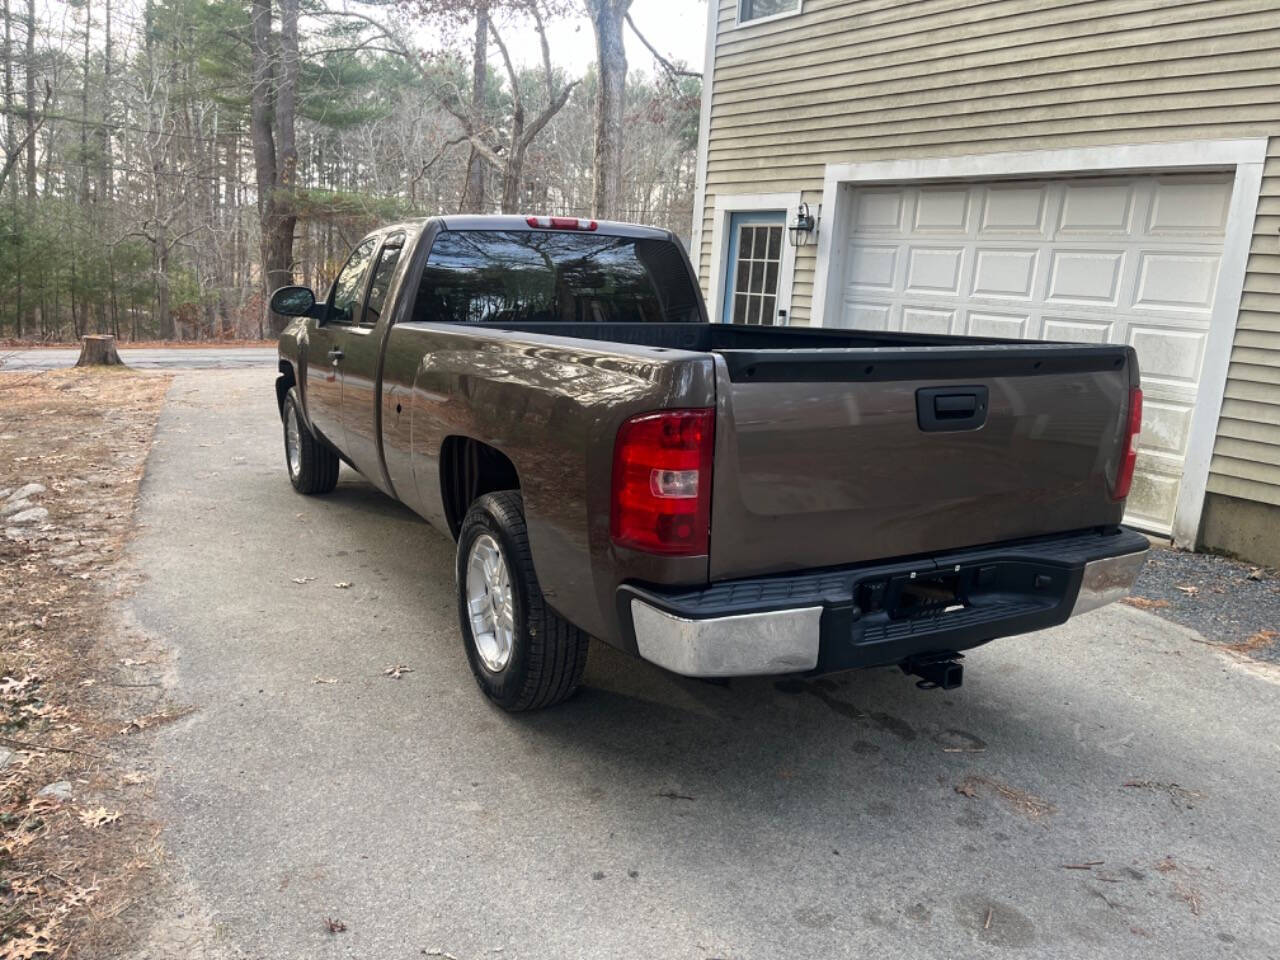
[678, 28]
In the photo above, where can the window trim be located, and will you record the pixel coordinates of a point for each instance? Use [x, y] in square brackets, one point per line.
[739, 22]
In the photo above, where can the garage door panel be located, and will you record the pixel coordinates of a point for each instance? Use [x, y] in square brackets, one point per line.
[1086, 276]
[867, 316]
[942, 210]
[1169, 354]
[1130, 259]
[935, 270]
[1005, 273]
[879, 211]
[1007, 325]
[1177, 281]
[1166, 427]
[872, 267]
[928, 320]
[1094, 209]
[1195, 207]
[1014, 210]
[1073, 330]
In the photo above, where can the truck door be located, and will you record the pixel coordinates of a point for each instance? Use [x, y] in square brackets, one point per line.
[360, 366]
[327, 345]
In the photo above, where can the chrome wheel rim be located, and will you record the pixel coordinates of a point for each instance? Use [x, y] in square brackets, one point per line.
[490, 605]
[293, 441]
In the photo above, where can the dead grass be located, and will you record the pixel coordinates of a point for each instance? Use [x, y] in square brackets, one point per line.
[69, 868]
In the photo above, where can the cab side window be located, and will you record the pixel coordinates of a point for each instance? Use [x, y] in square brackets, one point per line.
[349, 287]
[382, 276]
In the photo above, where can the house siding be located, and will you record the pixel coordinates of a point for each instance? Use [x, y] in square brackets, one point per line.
[865, 80]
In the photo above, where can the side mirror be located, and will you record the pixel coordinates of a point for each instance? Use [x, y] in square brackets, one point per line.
[294, 302]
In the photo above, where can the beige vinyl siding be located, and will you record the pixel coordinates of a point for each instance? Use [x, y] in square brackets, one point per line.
[850, 80]
[1246, 456]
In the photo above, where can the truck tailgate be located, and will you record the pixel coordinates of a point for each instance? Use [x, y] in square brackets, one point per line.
[840, 456]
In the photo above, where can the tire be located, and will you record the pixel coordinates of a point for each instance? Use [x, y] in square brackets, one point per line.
[315, 469]
[545, 655]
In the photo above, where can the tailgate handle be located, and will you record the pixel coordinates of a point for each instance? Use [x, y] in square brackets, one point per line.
[951, 408]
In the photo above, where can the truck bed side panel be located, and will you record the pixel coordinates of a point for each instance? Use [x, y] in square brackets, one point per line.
[553, 407]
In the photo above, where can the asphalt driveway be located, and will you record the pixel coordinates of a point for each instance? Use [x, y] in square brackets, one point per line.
[1105, 789]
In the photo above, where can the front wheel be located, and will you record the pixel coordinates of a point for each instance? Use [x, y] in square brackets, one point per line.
[313, 467]
[524, 655]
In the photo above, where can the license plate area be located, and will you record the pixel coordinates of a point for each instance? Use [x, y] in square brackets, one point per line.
[925, 596]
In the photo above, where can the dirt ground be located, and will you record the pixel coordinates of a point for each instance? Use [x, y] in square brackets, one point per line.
[11, 344]
[76, 847]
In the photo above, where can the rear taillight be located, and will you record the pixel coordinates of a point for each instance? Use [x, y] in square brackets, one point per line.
[1124, 476]
[560, 223]
[662, 482]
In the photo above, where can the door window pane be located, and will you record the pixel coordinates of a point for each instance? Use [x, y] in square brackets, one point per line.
[756, 274]
[381, 283]
[350, 283]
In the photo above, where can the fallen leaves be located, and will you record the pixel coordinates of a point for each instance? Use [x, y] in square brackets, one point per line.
[1144, 603]
[1255, 642]
[397, 671]
[152, 720]
[342, 585]
[101, 817]
[1189, 589]
[1027, 804]
[334, 926]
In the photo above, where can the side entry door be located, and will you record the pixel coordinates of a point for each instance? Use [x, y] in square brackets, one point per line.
[753, 283]
[327, 345]
[360, 365]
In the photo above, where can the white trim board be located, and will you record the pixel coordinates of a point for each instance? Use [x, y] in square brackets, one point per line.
[1246, 157]
[704, 136]
[726, 206]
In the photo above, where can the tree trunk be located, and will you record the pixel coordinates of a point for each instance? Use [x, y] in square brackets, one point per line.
[473, 199]
[99, 351]
[607, 18]
[164, 318]
[275, 248]
[31, 99]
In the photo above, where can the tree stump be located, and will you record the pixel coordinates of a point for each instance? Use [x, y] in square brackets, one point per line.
[98, 351]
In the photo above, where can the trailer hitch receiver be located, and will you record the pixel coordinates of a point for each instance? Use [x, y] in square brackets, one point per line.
[939, 671]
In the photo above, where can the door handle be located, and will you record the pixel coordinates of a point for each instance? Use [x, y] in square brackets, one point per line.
[335, 355]
[951, 408]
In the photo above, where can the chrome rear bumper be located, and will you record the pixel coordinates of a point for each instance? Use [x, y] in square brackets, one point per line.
[826, 621]
[1109, 580]
[750, 644]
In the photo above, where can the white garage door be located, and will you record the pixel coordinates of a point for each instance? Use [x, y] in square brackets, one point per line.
[1107, 259]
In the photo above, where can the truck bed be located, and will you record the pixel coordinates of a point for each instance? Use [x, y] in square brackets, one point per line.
[833, 447]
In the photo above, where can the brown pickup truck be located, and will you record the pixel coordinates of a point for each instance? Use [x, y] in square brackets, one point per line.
[722, 500]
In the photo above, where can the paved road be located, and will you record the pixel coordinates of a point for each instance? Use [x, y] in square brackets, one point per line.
[653, 816]
[175, 358]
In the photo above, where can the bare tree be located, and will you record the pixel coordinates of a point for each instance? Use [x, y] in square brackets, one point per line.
[607, 19]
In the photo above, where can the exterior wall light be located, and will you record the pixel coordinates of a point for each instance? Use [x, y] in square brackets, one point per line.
[802, 226]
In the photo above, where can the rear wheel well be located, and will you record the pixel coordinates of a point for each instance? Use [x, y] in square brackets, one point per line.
[283, 383]
[468, 470]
